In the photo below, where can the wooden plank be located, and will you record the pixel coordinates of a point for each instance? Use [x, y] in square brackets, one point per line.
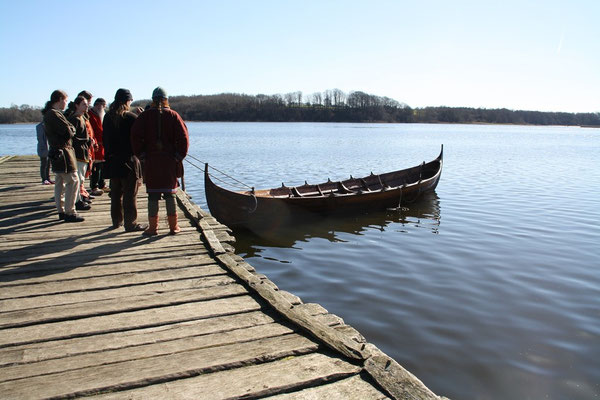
[135, 337]
[42, 253]
[107, 293]
[128, 320]
[141, 352]
[355, 387]
[110, 266]
[135, 373]
[60, 348]
[101, 282]
[256, 381]
[66, 249]
[47, 314]
[81, 238]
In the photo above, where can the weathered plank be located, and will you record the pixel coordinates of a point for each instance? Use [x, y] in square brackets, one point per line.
[141, 352]
[154, 298]
[128, 320]
[41, 253]
[254, 381]
[52, 349]
[104, 282]
[134, 373]
[108, 266]
[355, 387]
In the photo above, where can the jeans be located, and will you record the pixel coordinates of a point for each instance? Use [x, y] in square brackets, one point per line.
[44, 169]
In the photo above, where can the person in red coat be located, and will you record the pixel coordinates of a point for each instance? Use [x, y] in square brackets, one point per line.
[96, 114]
[159, 137]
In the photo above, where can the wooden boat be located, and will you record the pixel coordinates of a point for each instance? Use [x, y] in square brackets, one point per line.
[259, 210]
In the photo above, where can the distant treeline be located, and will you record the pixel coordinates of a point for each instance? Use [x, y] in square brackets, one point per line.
[331, 106]
[16, 114]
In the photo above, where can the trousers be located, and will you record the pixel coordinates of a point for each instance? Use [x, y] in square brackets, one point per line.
[123, 200]
[66, 183]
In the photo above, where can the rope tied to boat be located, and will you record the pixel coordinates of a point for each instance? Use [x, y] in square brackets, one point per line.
[240, 185]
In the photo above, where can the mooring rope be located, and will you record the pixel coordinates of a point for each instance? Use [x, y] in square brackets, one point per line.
[243, 185]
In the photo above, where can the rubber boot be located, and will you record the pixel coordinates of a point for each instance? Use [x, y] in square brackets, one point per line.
[173, 224]
[152, 227]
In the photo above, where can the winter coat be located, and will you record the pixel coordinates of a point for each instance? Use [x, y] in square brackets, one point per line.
[60, 133]
[42, 142]
[81, 140]
[116, 131]
[159, 137]
[96, 123]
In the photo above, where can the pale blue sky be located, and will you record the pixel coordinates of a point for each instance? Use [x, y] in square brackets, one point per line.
[518, 54]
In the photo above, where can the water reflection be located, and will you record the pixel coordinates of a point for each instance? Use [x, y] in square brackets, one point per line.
[424, 213]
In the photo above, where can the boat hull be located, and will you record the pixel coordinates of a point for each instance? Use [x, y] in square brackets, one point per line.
[270, 209]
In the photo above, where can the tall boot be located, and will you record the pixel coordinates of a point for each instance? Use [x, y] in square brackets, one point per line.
[152, 227]
[173, 224]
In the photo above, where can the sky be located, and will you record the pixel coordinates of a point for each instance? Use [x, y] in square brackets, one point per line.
[520, 55]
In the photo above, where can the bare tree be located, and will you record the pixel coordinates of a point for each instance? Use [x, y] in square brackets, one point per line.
[339, 97]
[317, 98]
[327, 98]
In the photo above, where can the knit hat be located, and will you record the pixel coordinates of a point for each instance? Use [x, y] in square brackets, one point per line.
[159, 93]
[123, 95]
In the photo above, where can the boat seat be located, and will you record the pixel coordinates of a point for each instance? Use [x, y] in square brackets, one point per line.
[365, 186]
[343, 189]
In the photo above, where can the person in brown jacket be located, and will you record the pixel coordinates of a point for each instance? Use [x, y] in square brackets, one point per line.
[160, 138]
[60, 135]
[82, 142]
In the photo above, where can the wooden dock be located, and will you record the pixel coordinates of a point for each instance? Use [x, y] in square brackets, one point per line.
[89, 311]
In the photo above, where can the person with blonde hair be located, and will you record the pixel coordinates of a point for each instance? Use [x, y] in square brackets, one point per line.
[160, 138]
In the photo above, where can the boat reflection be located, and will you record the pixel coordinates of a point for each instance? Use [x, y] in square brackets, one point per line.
[424, 213]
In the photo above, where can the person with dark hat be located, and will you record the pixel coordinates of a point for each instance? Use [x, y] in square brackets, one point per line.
[123, 167]
[160, 138]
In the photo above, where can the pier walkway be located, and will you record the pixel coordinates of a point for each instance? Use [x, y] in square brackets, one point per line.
[87, 311]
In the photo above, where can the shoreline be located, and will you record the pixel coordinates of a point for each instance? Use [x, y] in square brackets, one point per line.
[369, 122]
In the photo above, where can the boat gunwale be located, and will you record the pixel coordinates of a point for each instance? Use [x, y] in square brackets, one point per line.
[266, 193]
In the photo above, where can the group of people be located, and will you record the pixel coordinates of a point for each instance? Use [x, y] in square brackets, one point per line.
[125, 145]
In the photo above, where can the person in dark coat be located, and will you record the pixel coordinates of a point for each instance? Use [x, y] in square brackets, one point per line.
[122, 167]
[160, 138]
[60, 133]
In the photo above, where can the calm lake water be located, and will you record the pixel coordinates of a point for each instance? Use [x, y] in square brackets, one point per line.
[487, 289]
